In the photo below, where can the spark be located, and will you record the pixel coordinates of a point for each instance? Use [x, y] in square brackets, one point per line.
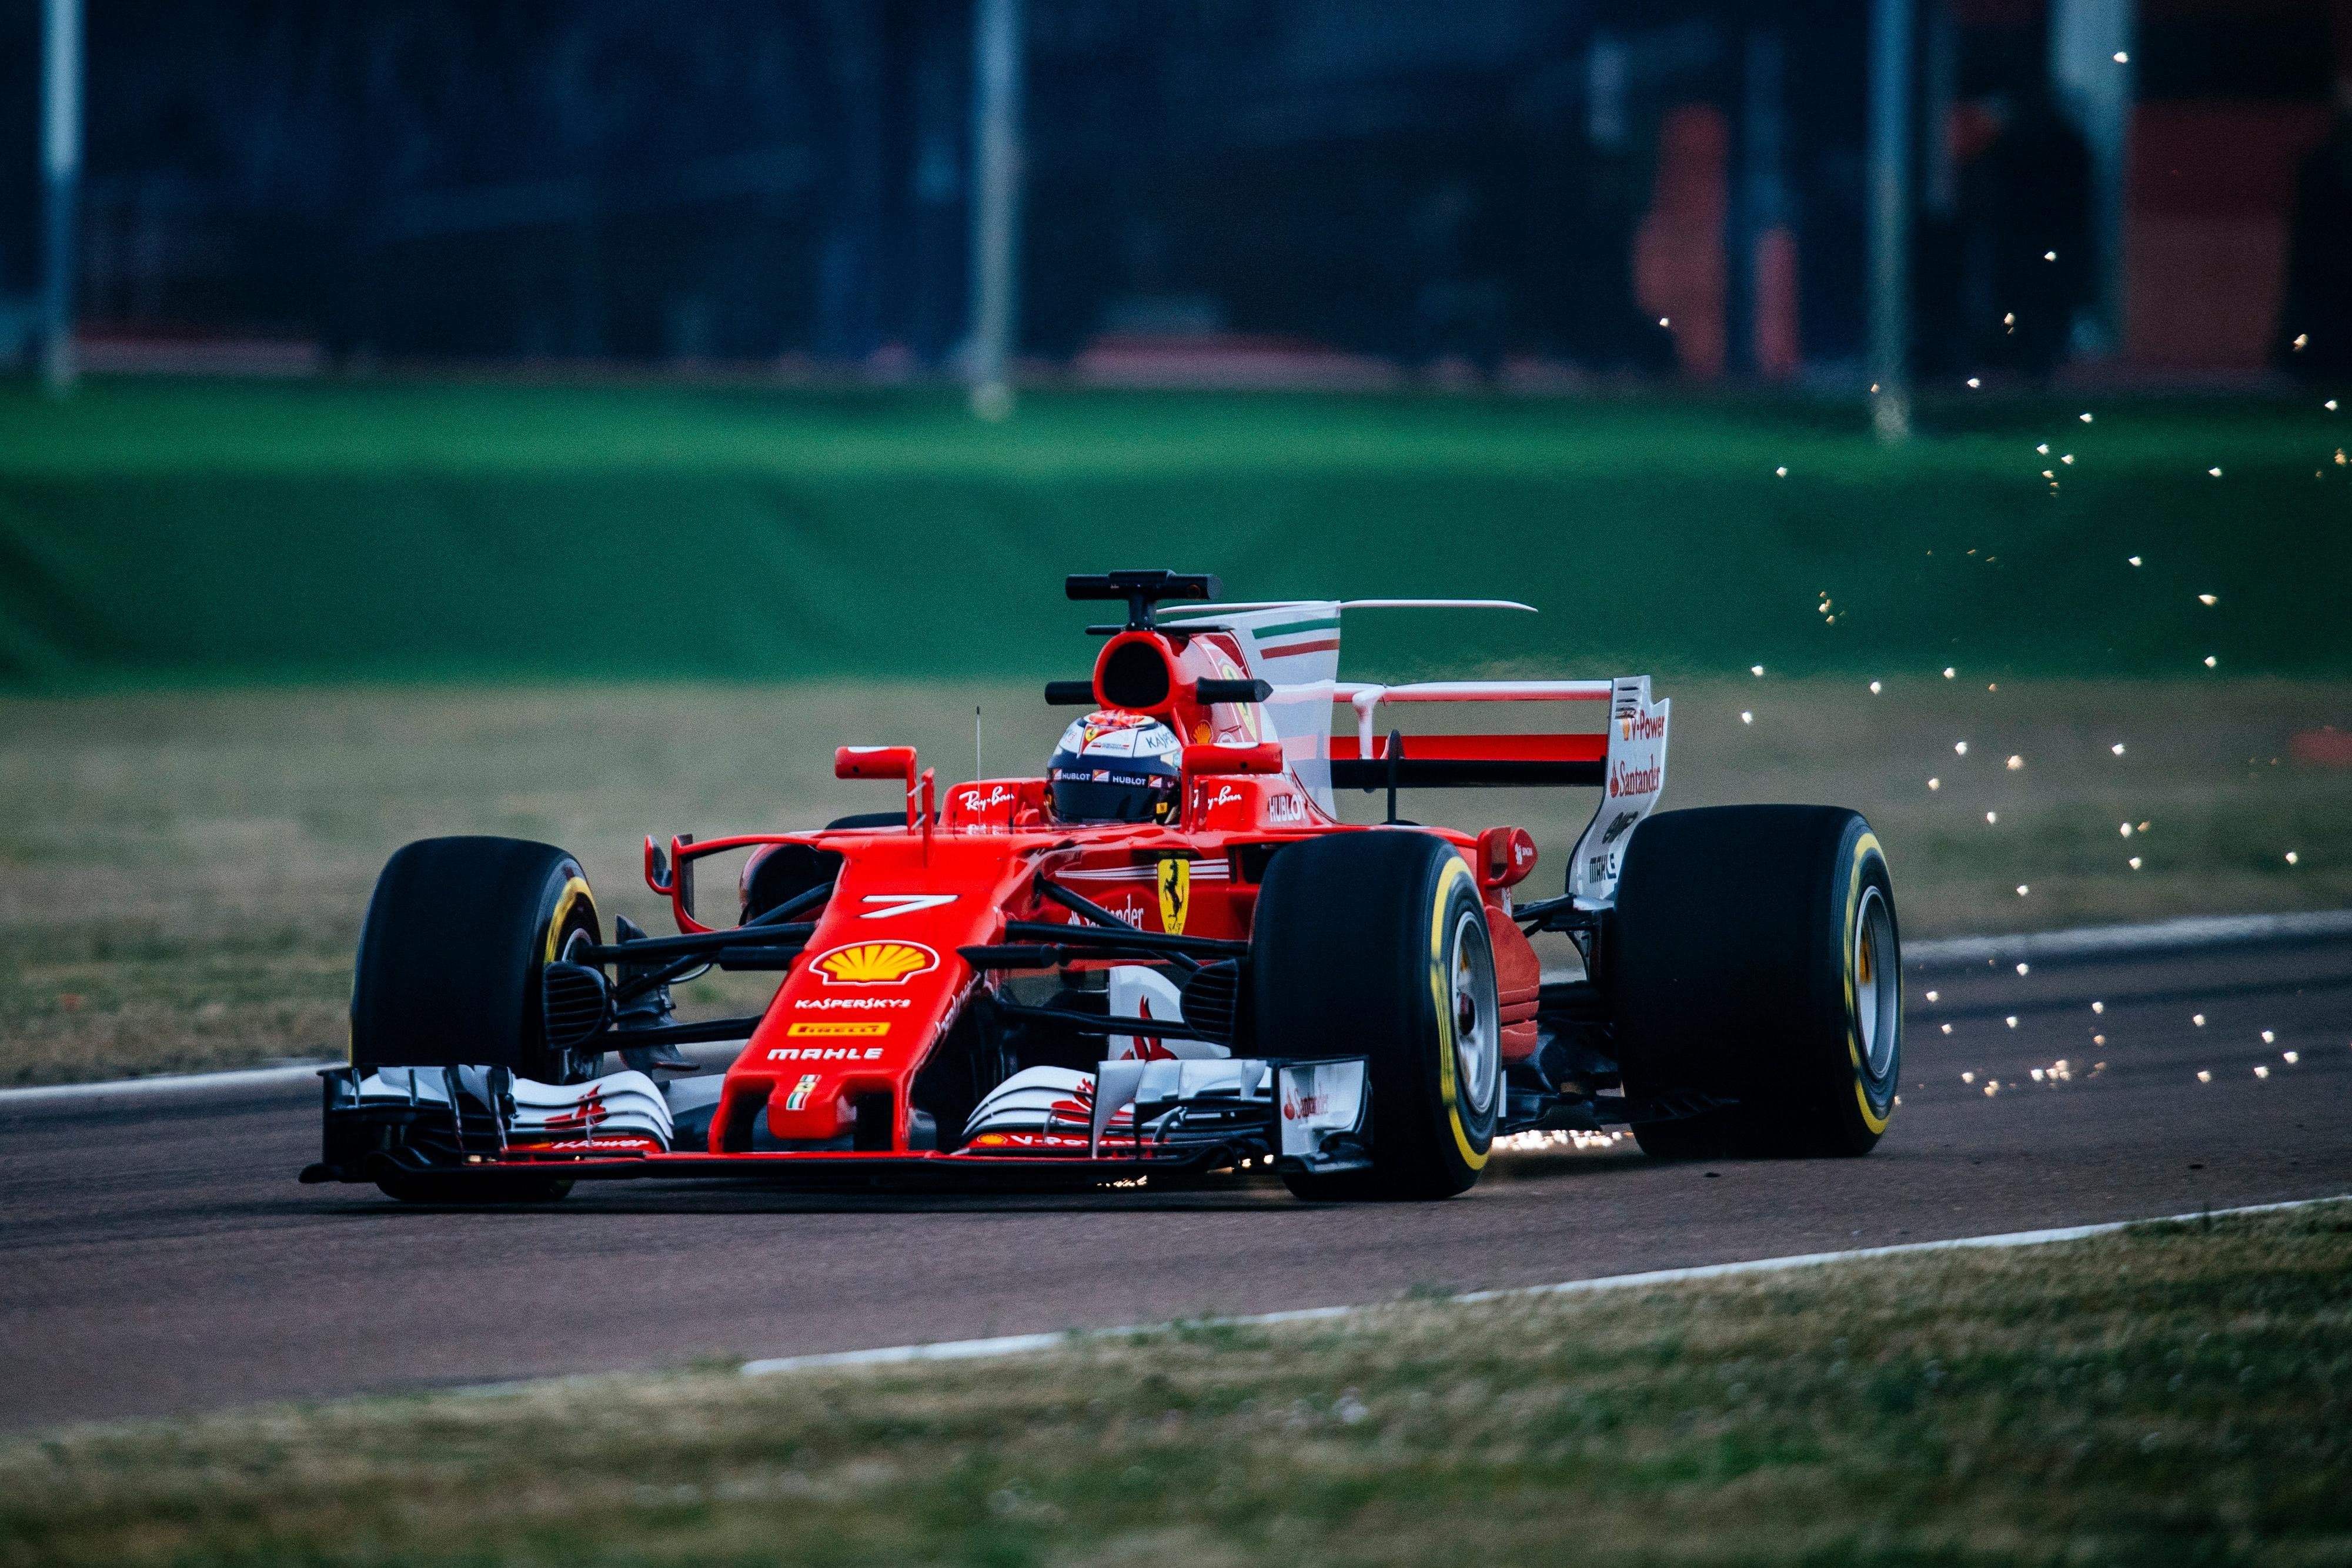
[2118, 749]
[2143, 827]
[2037, 1075]
[2098, 1007]
[2085, 417]
[1757, 670]
[1933, 995]
[2022, 890]
[2329, 405]
[2099, 1040]
[2008, 318]
[1782, 472]
[2135, 560]
[1973, 382]
[1959, 749]
[2203, 1076]
[2210, 661]
[1746, 717]
[2015, 762]
[2215, 472]
[2069, 457]
[2122, 57]
[2048, 473]
[2269, 1038]
[1665, 321]
[1949, 671]
[2290, 1057]
[2133, 863]
[2011, 1020]
[2024, 968]
[1947, 1029]
[2044, 449]
[2197, 1019]
[2302, 341]
[2049, 256]
[2207, 600]
[1968, 1078]
[2261, 1072]
[1992, 816]
[1873, 688]
[1993, 1088]
[2125, 829]
[2290, 857]
[1935, 783]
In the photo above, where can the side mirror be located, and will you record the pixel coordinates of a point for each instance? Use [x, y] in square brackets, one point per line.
[874, 762]
[1506, 856]
[1207, 761]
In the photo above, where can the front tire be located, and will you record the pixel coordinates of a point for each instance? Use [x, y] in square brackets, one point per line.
[1755, 956]
[449, 959]
[1375, 944]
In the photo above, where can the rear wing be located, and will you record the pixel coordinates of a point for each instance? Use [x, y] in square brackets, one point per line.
[1627, 760]
[1295, 645]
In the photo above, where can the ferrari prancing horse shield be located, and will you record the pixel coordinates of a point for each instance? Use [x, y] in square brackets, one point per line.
[1175, 894]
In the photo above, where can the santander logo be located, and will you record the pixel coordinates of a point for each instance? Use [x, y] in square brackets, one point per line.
[1636, 780]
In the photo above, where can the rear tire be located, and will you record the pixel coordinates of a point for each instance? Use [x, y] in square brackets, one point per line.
[1376, 944]
[449, 959]
[1755, 956]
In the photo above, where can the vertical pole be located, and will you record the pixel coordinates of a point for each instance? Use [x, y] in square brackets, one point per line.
[2090, 67]
[1760, 210]
[1890, 217]
[995, 204]
[61, 74]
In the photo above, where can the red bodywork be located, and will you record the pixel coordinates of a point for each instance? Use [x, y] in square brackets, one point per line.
[881, 981]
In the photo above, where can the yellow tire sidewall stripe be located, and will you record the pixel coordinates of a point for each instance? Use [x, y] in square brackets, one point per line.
[1440, 998]
[574, 890]
[1863, 847]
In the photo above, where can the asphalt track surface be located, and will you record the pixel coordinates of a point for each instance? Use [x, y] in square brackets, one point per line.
[156, 1255]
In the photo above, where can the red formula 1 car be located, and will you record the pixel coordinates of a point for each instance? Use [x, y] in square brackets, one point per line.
[1165, 958]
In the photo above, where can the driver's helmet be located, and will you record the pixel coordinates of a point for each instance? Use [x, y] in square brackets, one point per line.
[1115, 767]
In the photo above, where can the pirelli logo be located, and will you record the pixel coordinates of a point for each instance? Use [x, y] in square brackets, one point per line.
[839, 1029]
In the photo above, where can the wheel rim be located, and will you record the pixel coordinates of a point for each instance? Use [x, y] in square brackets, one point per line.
[1477, 1021]
[1877, 982]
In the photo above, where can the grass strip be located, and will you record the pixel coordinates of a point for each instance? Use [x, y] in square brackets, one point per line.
[204, 532]
[2175, 1393]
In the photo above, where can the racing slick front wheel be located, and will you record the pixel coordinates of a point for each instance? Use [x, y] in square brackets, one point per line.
[1755, 960]
[449, 960]
[1375, 944]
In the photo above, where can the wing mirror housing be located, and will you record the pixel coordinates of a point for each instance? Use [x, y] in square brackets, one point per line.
[1506, 856]
[1207, 761]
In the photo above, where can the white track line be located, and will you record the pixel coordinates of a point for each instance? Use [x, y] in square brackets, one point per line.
[2124, 941]
[251, 1078]
[2046, 946]
[1022, 1344]
[176, 1083]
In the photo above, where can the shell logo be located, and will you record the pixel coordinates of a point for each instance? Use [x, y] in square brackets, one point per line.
[876, 963]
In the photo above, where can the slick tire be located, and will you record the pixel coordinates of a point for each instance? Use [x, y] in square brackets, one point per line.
[1754, 957]
[450, 955]
[1376, 944]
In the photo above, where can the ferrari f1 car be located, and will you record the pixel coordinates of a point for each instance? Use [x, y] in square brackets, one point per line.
[1168, 957]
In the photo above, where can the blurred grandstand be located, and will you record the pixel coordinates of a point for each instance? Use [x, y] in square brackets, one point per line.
[1333, 193]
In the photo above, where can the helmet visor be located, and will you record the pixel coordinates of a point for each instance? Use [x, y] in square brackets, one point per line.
[1111, 794]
